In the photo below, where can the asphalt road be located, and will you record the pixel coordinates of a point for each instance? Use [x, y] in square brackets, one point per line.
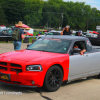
[84, 89]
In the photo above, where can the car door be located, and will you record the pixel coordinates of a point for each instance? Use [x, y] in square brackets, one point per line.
[78, 66]
[94, 62]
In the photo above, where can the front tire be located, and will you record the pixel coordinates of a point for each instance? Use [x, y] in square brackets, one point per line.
[53, 79]
[98, 76]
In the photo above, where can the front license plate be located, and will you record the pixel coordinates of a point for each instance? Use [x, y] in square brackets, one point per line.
[5, 77]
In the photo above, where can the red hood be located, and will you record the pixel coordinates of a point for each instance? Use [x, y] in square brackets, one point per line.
[29, 55]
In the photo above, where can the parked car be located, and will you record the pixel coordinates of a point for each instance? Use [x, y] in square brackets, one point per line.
[84, 33]
[27, 33]
[49, 33]
[6, 35]
[48, 62]
[95, 40]
[2, 27]
[91, 35]
[7, 32]
[53, 33]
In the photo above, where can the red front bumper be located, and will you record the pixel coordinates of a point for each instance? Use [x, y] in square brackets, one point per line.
[24, 78]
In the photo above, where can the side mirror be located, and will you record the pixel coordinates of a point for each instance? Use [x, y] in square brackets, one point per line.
[28, 45]
[76, 50]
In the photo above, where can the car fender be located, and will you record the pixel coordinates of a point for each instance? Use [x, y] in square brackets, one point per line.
[62, 63]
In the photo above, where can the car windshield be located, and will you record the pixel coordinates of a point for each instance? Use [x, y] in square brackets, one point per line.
[9, 31]
[50, 45]
[0, 30]
[50, 33]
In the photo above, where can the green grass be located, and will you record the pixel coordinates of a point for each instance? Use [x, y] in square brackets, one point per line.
[6, 42]
[36, 33]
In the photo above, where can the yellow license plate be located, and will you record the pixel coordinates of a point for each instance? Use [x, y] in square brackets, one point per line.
[4, 77]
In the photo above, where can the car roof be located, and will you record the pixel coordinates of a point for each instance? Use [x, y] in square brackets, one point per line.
[67, 37]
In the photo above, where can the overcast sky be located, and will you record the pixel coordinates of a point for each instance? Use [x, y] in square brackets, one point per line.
[93, 3]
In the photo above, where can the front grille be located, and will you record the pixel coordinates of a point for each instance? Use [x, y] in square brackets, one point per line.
[16, 70]
[3, 65]
[10, 66]
[15, 65]
[5, 68]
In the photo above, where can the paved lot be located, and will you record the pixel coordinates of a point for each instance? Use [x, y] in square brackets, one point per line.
[6, 47]
[85, 89]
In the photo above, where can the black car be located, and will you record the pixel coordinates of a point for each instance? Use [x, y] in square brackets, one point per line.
[6, 32]
[6, 35]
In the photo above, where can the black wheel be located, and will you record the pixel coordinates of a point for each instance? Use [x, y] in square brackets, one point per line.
[98, 76]
[53, 78]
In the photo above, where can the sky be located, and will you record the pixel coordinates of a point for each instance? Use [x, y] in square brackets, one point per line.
[92, 3]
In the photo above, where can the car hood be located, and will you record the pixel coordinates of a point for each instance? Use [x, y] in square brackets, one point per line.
[28, 55]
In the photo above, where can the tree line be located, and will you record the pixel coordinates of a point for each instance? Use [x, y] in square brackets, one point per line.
[51, 13]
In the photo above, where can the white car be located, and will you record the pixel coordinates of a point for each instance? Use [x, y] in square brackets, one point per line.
[49, 33]
[91, 35]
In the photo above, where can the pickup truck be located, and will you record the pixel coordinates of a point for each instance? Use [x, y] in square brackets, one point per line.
[48, 62]
[95, 40]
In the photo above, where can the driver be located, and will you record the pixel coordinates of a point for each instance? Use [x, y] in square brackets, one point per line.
[78, 45]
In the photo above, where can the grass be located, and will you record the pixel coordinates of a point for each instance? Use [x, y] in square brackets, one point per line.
[36, 33]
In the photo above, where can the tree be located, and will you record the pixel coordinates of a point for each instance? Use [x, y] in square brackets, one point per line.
[2, 16]
[13, 10]
[33, 12]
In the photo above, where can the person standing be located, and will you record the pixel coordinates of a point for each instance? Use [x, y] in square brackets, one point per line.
[17, 36]
[66, 31]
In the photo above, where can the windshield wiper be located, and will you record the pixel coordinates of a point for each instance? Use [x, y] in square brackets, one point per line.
[28, 49]
[38, 50]
[35, 49]
[42, 50]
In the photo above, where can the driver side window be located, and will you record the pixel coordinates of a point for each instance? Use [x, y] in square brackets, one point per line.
[77, 47]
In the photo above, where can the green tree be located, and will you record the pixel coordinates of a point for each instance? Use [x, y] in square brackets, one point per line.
[13, 10]
[33, 12]
[2, 17]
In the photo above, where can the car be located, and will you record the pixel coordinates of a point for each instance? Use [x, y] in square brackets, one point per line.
[95, 40]
[6, 35]
[53, 33]
[91, 35]
[7, 32]
[2, 27]
[49, 33]
[48, 62]
[27, 33]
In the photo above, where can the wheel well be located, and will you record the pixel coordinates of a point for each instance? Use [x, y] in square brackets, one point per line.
[62, 71]
[60, 67]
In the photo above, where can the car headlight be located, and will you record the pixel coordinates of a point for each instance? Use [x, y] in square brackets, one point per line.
[34, 68]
